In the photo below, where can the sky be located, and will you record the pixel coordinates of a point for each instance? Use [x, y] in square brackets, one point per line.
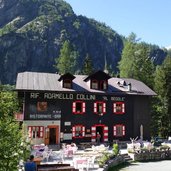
[150, 20]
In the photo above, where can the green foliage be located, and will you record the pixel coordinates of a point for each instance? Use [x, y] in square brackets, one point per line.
[163, 102]
[55, 7]
[77, 24]
[13, 146]
[127, 60]
[7, 29]
[136, 62]
[143, 66]
[67, 60]
[8, 101]
[87, 66]
[115, 149]
[103, 159]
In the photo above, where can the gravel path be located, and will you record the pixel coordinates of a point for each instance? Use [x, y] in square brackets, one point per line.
[149, 166]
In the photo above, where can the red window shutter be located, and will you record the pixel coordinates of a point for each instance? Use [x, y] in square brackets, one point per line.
[114, 130]
[105, 133]
[104, 107]
[74, 107]
[30, 131]
[93, 134]
[41, 132]
[123, 108]
[95, 107]
[73, 131]
[123, 130]
[114, 107]
[83, 107]
[83, 131]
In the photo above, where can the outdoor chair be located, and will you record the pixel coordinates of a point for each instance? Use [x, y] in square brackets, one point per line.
[148, 145]
[91, 161]
[81, 163]
[45, 155]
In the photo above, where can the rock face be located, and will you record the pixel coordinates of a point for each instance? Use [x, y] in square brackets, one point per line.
[33, 31]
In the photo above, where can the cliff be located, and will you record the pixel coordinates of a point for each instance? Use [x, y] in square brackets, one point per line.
[33, 31]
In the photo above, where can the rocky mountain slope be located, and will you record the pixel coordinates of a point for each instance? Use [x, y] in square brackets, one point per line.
[33, 31]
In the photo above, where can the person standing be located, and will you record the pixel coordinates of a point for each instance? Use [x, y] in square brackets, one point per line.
[98, 138]
[30, 165]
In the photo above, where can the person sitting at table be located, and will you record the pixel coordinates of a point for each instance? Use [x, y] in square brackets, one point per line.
[30, 165]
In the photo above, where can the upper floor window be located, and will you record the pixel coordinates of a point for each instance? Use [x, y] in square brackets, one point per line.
[99, 107]
[103, 85]
[99, 85]
[78, 131]
[67, 83]
[119, 130]
[41, 106]
[94, 84]
[78, 107]
[119, 107]
[35, 131]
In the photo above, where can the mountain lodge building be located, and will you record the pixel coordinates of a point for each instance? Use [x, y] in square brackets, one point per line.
[75, 108]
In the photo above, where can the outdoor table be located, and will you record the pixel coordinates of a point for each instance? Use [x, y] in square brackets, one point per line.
[38, 147]
[37, 160]
[88, 149]
[57, 168]
[80, 161]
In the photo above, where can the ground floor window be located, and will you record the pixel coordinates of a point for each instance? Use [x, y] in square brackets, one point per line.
[119, 130]
[35, 131]
[78, 131]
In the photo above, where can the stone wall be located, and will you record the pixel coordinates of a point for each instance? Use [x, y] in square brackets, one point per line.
[151, 155]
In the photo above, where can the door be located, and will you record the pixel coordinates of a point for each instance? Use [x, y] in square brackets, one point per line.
[52, 134]
[99, 130]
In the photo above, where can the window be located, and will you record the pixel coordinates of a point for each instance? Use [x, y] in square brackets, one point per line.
[35, 131]
[78, 107]
[103, 85]
[119, 130]
[67, 84]
[78, 131]
[94, 84]
[118, 108]
[99, 107]
[41, 106]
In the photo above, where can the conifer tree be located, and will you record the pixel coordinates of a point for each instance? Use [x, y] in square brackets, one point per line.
[127, 59]
[163, 102]
[136, 62]
[87, 65]
[67, 60]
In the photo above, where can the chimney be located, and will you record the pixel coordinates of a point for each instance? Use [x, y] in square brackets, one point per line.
[129, 87]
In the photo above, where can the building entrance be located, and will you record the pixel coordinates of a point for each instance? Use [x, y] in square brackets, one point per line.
[52, 135]
[100, 129]
[99, 132]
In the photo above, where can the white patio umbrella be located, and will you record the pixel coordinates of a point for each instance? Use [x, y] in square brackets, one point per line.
[141, 132]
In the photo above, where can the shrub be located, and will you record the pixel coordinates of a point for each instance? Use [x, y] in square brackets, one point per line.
[115, 149]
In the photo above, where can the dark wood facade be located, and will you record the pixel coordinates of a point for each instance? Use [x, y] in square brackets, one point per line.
[64, 115]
